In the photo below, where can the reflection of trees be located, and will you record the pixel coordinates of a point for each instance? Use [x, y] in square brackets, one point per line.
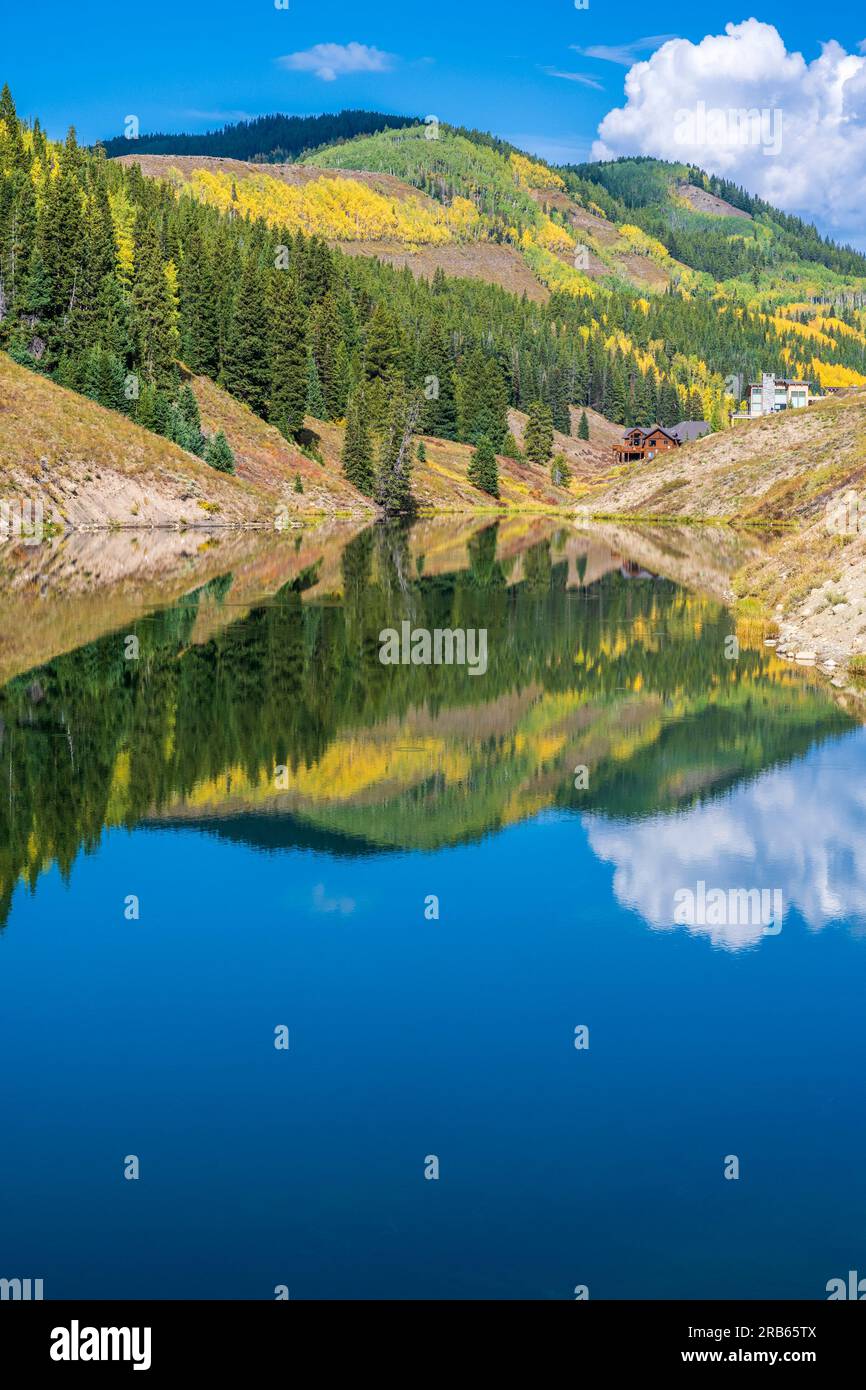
[93, 738]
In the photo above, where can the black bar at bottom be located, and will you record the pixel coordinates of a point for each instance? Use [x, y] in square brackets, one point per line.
[161, 1338]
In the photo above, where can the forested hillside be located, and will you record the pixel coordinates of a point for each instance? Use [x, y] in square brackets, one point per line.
[110, 281]
[715, 227]
[267, 139]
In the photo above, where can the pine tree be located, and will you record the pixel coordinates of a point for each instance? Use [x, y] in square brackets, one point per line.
[439, 414]
[394, 474]
[61, 238]
[357, 457]
[317, 406]
[669, 404]
[199, 303]
[558, 398]
[422, 451]
[560, 473]
[328, 350]
[511, 448]
[12, 150]
[484, 468]
[246, 371]
[154, 314]
[616, 405]
[299, 486]
[583, 427]
[538, 439]
[384, 350]
[482, 401]
[219, 455]
[287, 402]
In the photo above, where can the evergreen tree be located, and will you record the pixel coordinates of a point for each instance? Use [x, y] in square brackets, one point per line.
[328, 351]
[559, 399]
[560, 473]
[154, 314]
[246, 370]
[439, 414]
[287, 402]
[583, 427]
[538, 439]
[482, 401]
[317, 406]
[61, 237]
[357, 457]
[219, 455]
[199, 303]
[394, 474]
[511, 449]
[669, 404]
[384, 351]
[484, 468]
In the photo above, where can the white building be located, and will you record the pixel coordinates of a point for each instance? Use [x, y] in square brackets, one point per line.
[773, 393]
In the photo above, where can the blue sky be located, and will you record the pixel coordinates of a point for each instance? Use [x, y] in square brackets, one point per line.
[184, 66]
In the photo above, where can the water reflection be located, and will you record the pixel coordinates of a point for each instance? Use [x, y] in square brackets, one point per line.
[798, 830]
[270, 719]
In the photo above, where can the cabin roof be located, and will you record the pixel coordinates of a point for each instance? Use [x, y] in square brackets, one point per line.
[690, 429]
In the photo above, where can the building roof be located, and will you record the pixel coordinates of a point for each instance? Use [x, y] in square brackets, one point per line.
[650, 429]
[780, 381]
[684, 431]
[689, 429]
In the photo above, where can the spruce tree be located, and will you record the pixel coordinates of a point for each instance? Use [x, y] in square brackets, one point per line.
[560, 473]
[287, 402]
[61, 239]
[246, 371]
[394, 474]
[357, 456]
[384, 350]
[583, 427]
[511, 448]
[439, 414]
[199, 303]
[484, 468]
[154, 314]
[669, 404]
[219, 455]
[317, 406]
[482, 401]
[538, 439]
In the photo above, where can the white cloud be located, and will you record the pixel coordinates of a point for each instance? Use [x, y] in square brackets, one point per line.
[583, 78]
[817, 166]
[332, 60]
[622, 53]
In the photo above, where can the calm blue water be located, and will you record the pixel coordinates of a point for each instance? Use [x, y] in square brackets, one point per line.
[411, 1037]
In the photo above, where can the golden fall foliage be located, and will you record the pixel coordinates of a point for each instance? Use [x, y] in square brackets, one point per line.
[829, 374]
[338, 209]
[530, 174]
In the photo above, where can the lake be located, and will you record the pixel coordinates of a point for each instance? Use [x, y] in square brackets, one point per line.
[408, 981]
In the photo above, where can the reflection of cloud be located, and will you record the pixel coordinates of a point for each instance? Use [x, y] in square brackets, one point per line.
[798, 828]
[322, 903]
